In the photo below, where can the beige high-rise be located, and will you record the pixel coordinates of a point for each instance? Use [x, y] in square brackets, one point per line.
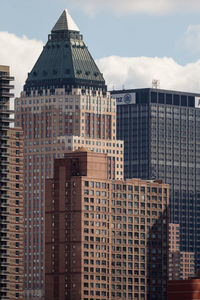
[64, 105]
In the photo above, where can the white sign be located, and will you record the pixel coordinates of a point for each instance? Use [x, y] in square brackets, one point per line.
[126, 98]
[197, 102]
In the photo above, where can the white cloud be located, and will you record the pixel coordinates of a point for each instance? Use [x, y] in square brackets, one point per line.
[138, 6]
[191, 38]
[20, 53]
[131, 72]
[137, 72]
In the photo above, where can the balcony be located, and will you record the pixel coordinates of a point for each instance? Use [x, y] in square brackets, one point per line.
[4, 137]
[4, 204]
[4, 247]
[4, 163]
[4, 179]
[6, 85]
[4, 238]
[4, 188]
[5, 110]
[4, 289]
[6, 94]
[6, 77]
[4, 125]
[4, 118]
[4, 146]
[3, 170]
[3, 194]
[3, 153]
[3, 280]
[4, 230]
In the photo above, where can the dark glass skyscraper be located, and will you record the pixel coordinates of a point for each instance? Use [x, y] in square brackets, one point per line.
[161, 133]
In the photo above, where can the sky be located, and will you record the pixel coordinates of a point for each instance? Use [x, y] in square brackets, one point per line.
[132, 41]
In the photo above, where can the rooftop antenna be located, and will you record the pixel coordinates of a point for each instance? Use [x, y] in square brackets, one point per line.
[155, 84]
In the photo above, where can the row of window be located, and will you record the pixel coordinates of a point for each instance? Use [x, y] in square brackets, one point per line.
[124, 187]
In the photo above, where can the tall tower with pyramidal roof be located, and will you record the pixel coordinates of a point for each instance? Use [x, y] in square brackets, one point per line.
[64, 105]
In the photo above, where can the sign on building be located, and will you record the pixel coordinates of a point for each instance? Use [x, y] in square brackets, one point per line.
[126, 98]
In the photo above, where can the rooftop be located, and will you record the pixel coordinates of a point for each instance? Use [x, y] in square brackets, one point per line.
[65, 60]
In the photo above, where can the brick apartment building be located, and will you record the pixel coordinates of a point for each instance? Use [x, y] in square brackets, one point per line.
[104, 238]
[11, 196]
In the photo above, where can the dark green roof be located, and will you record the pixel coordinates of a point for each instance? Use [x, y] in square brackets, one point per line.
[65, 60]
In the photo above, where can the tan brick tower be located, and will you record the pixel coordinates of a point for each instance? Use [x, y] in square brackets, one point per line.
[64, 105]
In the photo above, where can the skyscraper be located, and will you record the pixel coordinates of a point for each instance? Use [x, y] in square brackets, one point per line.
[105, 239]
[64, 105]
[11, 197]
[161, 133]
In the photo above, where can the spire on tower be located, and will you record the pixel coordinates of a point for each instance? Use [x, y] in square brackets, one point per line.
[65, 22]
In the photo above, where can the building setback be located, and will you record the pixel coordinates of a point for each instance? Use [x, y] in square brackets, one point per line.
[181, 264]
[161, 133]
[11, 197]
[104, 239]
[64, 105]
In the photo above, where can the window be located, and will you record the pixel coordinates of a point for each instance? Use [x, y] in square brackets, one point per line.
[91, 184]
[154, 190]
[136, 188]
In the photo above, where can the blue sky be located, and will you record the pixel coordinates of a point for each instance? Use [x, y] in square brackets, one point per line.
[130, 28]
[133, 34]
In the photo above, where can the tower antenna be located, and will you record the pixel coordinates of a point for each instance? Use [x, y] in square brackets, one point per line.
[156, 84]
